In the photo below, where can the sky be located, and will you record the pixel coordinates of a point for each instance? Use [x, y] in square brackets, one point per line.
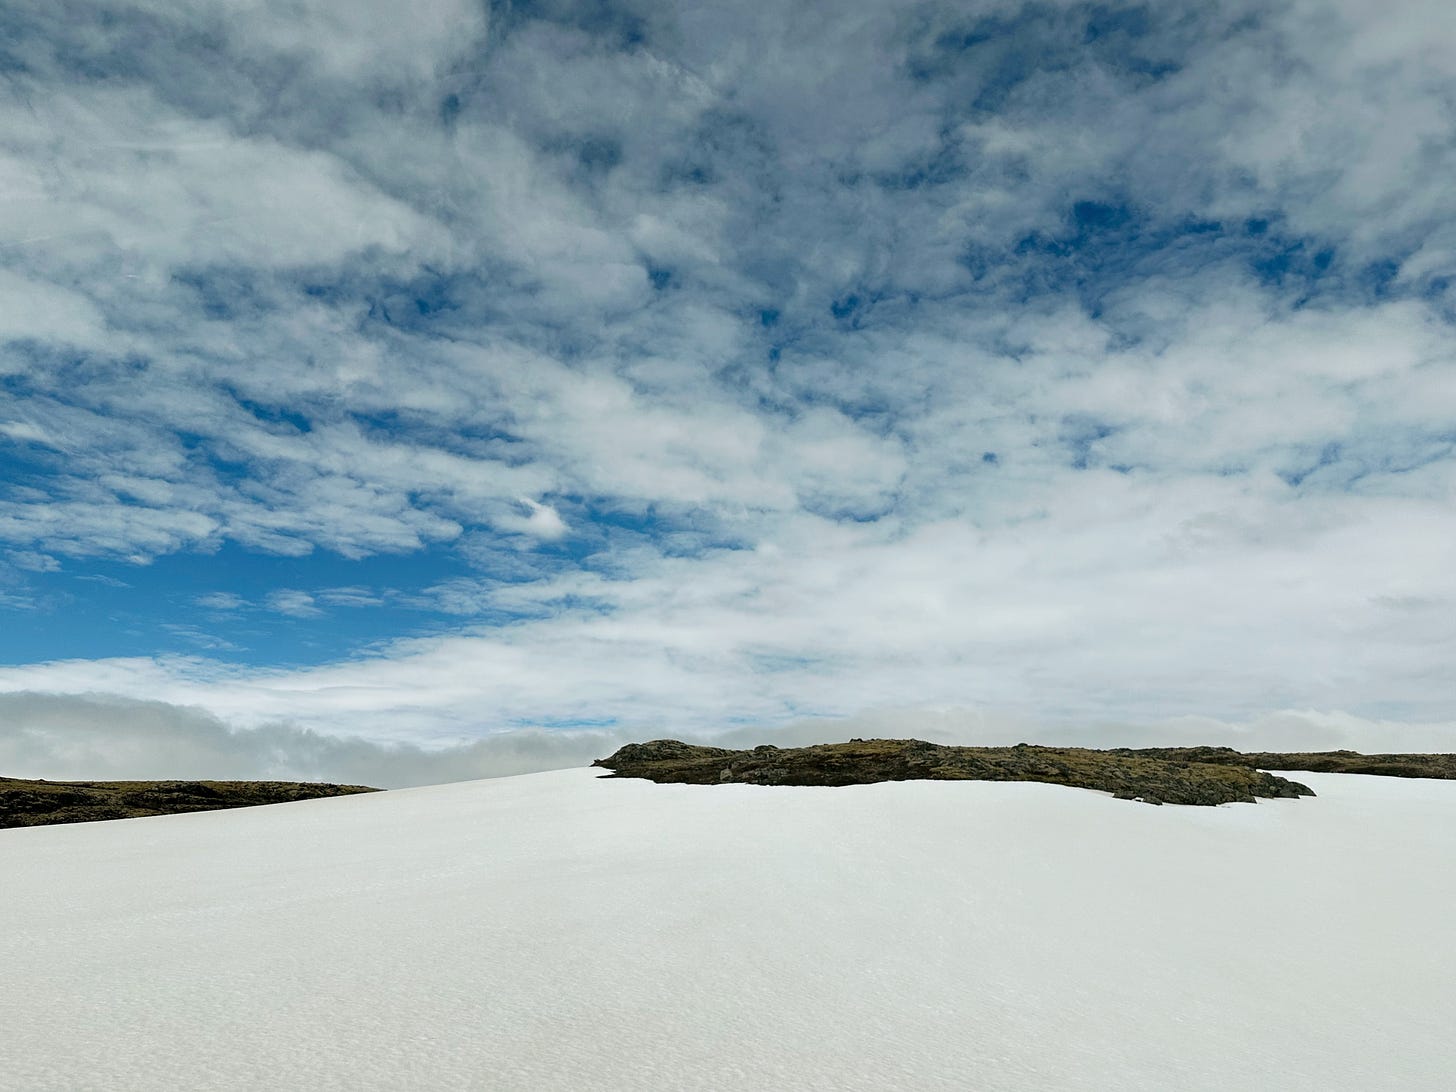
[512, 379]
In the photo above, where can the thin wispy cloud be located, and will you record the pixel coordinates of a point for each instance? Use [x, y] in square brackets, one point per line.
[537, 364]
[222, 601]
[291, 601]
[349, 597]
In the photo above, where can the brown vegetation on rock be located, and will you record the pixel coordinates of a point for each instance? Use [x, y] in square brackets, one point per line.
[1440, 766]
[39, 803]
[1155, 779]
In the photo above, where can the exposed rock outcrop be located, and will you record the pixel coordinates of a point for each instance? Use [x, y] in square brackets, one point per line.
[1127, 775]
[1440, 766]
[38, 803]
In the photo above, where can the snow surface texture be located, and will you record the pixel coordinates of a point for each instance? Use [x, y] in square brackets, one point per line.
[557, 931]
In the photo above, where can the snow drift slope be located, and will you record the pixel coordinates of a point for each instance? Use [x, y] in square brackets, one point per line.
[557, 931]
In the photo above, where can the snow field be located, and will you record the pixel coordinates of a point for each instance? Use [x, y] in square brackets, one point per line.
[562, 931]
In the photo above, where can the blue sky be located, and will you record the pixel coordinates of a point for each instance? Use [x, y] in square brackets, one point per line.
[557, 366]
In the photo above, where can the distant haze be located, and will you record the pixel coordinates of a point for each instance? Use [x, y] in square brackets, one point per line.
[65, 738]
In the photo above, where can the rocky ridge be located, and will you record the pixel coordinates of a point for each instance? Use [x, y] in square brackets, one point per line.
[1156, 779]
[39, 803]
[1439, 766]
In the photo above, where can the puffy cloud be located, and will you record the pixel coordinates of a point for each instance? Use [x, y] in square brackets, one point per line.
[540, 521]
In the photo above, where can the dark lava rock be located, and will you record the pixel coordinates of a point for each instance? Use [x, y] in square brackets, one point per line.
[39, 803]
[1439, 766]
[662, 750]
[1128, 776]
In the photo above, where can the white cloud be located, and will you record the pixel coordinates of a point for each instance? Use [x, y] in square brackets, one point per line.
[34, 562]
[103, 580]
[1138, 602]
[221, 600]
[199, 638]
[540, 521]
[350, 597]
[36, 309]
[149, 189]
[291, 601]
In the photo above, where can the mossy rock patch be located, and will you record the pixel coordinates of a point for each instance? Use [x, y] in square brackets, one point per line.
[1165, 780]
[40, 803]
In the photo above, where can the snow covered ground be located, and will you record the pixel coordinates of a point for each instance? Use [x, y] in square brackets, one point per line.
[557, 931]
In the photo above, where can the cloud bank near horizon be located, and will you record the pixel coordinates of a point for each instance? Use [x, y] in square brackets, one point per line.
[93, 738]
[574, 366]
